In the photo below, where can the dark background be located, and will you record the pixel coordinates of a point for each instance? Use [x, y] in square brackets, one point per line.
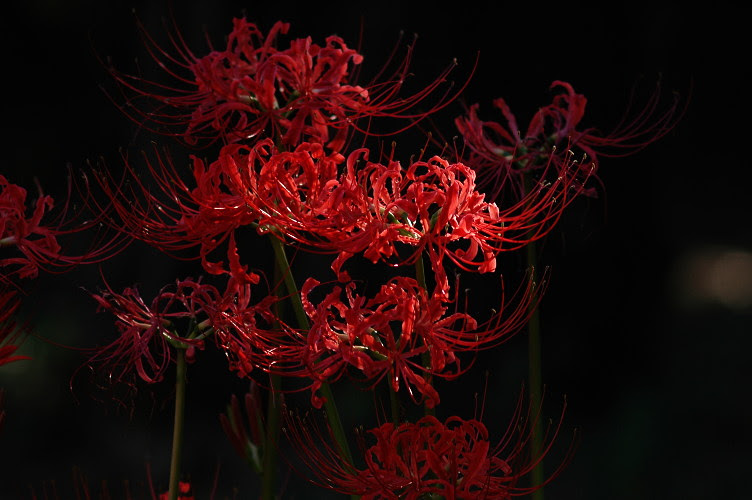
[646, 321]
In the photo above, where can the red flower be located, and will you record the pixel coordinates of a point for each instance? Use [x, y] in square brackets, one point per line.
[386, 336]
[250, 335]
[184, 492]
[454, 459]
[376, 209]
[173, 216]
[10, 337]
[37, 239]
[502, 155]
[252, 89]
[148, 333]
[127, 490]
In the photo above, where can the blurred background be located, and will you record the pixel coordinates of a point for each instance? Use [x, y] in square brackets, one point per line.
[646, 321]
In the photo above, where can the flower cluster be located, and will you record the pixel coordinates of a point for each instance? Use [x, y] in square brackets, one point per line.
[277, 124]
[392, 334]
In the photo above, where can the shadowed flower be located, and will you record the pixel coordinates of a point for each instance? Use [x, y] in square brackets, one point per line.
[35, 236]
[148, 332]
[502, 155]
[10, 337]
[129, 490]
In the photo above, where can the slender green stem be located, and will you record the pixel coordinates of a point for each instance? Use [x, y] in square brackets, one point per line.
[292, 288]
[332, 414]
[273, 417]
[420, 276]
[420, 273]
[335, 422]
[177, 429]
[535, 375]
[535, 371]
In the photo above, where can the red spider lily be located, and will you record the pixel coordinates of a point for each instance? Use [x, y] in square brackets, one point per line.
[148, 332]
[454, 459]
[37, 239]
[388, 335]
[252, 88]
[502, 156]
[374, 208]
[173, 216]
[251, 335]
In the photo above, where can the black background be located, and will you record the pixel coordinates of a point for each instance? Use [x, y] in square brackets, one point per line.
[654, 368]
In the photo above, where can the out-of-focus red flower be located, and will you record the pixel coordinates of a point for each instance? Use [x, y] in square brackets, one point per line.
[10, 332]
[454, 459]
[502, 154]
[251, 88]
[249, 334]
[127, 490]
[184, 492]
[35, 236]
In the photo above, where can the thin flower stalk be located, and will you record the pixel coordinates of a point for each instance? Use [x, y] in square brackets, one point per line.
[328, 397]
[176, 456]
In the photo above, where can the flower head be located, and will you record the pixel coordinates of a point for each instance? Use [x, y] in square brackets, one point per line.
[148, 332]
[253, 88]
[35, 236]
[177, 216]
[391, 335]
[454, 459]
[503, 154]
